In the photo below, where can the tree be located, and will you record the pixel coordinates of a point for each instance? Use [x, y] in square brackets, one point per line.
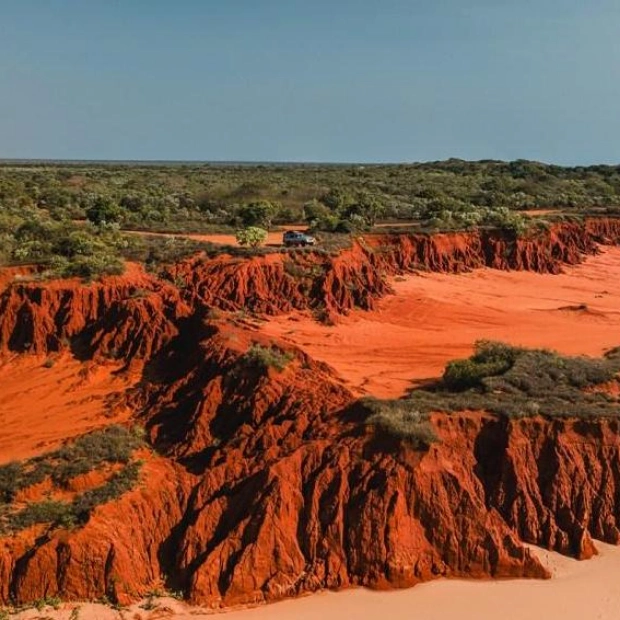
[337, 199]
[366, 206]
[252, 236]
[259, 213]
[104, 211]
[314, 211]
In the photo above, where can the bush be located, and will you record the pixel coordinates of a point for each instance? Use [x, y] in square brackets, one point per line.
[252, 236]
[519, 382]
[266, 357]
[91, 266]
[70, 514]
[9, 481]
[104, 211]
[398, 419]
[259, 213]
[489, 359]
[119, 483]
[58, 514]
[114, 444]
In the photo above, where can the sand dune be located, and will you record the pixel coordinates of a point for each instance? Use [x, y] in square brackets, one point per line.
[434, 318]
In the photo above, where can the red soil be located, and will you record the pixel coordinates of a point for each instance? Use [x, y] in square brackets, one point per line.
[268, 483]
[274, 236]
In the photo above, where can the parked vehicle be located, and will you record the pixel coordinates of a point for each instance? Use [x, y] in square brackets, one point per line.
[292, 238]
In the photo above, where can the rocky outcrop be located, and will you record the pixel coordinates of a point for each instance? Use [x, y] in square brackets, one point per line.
[40, 317]
[555, 483]
[115, 556]
[269, 484]
[110, 317]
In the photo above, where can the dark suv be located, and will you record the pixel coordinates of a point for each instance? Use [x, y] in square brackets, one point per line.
[293, 238]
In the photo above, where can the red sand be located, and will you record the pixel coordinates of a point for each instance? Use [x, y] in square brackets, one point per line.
[434, 318]
[42, 407]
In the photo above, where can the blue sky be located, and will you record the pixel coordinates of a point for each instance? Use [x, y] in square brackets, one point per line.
[293, 80]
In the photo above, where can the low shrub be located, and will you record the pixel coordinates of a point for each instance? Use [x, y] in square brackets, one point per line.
[58, 514]
[114, 444]
[117, 485]
[398, 419]
[71, 514]
[253, 236]
[518, 382]
[267, 357]
[489, 359]
[9, 481]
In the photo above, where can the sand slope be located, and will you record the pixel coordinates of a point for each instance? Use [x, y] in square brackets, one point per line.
[41, 406]
[434, 318]
[579, 591]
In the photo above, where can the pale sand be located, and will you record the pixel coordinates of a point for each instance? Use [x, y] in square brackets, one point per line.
[433, 318]
[578, 591]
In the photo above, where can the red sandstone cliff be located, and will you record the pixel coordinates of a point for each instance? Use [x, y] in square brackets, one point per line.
[267, 483]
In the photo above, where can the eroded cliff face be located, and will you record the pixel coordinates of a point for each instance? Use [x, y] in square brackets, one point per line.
[266, 483]
[356, 277]
[40, 318]
[127, 316]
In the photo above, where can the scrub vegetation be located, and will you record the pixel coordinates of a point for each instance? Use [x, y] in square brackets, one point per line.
[509, 381]
[108, 450]
[72, 218]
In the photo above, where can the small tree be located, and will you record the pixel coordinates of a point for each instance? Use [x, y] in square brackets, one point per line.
[258, 213]
[252, 236]
[104, 211]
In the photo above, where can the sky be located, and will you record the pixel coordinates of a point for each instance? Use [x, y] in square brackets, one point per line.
[311, 80]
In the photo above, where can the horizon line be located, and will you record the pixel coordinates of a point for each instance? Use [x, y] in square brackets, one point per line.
[250, 162]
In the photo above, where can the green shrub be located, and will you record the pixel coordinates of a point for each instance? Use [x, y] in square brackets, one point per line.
[519, 382]
[9, 481]
[91, 266]
[489, 359]
[266, 357]
[258, 214]
[49, 601]
[70, 514]
[58, 514]
[115, 487]
[251, 236]
[114, 444]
